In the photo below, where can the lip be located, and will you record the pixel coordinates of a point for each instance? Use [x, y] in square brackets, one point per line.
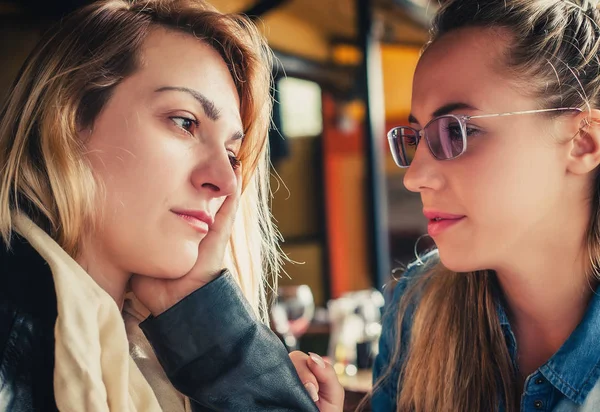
[440, 221]
[198, 219]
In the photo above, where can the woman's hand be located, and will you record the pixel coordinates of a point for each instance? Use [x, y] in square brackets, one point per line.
[320, 381]
[158, 295]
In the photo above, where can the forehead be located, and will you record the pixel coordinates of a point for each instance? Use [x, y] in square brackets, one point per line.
[173, 59]
[466, 66]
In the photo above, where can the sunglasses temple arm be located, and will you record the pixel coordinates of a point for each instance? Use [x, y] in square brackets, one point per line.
[560, 109]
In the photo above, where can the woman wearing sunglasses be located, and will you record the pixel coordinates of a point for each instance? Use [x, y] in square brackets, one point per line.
[503, 146]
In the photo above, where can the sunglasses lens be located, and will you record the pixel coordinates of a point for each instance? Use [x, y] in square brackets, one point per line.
[403, 145]
[445, 137]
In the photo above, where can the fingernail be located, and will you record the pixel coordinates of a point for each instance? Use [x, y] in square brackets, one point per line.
[312, 391]
[317, 359]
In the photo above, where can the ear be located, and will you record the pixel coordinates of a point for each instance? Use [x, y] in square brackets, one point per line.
[585, 146]
[84, 134]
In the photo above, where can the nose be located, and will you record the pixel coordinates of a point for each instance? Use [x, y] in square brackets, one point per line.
[215, 174]
[424, 172]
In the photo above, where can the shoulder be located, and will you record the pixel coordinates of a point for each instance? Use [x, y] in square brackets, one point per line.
[28, 312]
[386, 370]
[394, 298]
[25, 278]
[414, 271]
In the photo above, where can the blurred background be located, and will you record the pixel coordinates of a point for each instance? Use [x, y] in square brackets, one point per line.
[343, 77]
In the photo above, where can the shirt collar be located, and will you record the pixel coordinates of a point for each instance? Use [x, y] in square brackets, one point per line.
[502, 317]
[575, 368]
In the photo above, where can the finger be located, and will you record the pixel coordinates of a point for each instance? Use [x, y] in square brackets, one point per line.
[211, 249]
[225, 216]
[300, 361]
[330, 389]
[148, 292]
[219, 233]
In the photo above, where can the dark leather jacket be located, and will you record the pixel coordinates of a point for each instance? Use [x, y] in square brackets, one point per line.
[210, 344]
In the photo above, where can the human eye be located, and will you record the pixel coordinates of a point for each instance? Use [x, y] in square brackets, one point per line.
[187, 124]
[234, 160]
[472, 131]
[454, 130]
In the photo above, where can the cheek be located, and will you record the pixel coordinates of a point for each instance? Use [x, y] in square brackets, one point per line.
[113, 149]
[509, 191]
[513, 189]
[131, 163]
[143, 176]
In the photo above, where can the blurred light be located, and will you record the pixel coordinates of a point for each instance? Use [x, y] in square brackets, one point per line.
[338, 368]
[290, 341]
[346, 54]
[351, 115]
[351, 370]
[420, 3]
[373, 329]
[301, 108]
[428, 5]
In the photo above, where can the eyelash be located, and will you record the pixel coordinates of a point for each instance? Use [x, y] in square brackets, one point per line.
[194, 122]
[235, 162]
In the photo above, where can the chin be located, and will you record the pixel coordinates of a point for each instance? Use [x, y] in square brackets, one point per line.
[458, 260]
[172, 273]
[174, 261]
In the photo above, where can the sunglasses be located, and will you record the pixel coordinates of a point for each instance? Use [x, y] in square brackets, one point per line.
[446, 135]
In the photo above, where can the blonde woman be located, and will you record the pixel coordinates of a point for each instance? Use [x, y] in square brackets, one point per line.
[503, 146]
[133, 170]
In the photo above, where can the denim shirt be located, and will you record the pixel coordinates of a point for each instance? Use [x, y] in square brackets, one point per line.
[567, 382]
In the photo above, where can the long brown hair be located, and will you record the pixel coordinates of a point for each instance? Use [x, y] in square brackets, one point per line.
[66, 82]
[457, 359]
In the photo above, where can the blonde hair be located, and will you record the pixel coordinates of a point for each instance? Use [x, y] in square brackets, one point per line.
[67, 80]
[457, 358]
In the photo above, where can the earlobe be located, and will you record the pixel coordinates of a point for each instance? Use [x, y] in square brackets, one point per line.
[585, 145]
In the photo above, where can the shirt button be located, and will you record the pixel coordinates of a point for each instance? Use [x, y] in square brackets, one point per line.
[538, 404]
[539, 381]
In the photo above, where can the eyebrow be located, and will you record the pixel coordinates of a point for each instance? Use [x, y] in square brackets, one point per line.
[209, 107]
[445, 109]
[238, 136]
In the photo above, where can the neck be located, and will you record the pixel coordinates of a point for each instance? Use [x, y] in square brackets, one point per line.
[107, 276]
[546, 298]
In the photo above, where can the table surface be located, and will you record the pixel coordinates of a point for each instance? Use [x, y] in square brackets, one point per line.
[362, 382]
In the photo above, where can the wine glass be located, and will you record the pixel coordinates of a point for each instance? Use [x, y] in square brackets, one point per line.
[292, 313]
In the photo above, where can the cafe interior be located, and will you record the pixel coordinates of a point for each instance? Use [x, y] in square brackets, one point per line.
[342, 78]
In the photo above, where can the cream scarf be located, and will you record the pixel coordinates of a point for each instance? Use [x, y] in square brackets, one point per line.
[93, 368]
